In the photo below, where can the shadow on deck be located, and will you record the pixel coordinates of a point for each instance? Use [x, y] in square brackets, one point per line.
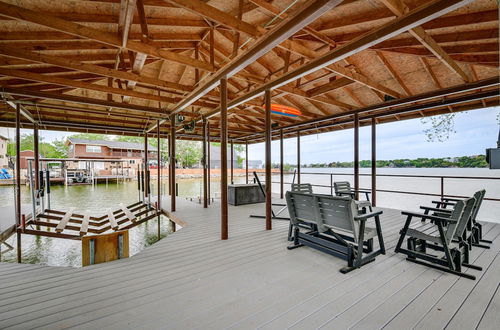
[192, 279]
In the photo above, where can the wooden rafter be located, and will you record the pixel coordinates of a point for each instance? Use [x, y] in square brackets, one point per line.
[79, 30]
[399, 8]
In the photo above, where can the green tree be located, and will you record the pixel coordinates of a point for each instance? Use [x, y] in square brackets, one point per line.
[56, 149]
[188, 153]
[90, 136]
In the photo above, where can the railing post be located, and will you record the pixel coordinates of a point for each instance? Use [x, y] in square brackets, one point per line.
[331, 184]
[442, 188]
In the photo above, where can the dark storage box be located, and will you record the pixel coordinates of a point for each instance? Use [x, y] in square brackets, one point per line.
[239, 194]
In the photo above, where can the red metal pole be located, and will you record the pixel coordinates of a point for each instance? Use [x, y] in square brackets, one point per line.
[356, 154]
[268, 160]
[208, 161]
[246, 161]
[232, 161]
[223, 156]
[282, 188]
[18, 180]
[374, 161]
[172, 163]
[158, 157]
[205, 173]
[298, 157]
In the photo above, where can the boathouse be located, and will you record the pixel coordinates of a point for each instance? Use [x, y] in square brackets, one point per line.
[246, 72]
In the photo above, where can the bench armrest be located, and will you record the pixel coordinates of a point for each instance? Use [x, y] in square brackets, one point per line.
[428, 216]
[361, 191]
[443, 203]
[435, 209]
[446, 199]
[368, 215]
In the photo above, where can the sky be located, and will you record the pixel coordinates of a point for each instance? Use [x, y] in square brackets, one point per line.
[476, 130]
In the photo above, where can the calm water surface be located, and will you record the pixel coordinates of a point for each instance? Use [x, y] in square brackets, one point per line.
[96, 199]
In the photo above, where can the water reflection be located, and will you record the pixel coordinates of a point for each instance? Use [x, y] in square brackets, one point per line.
[95, 200]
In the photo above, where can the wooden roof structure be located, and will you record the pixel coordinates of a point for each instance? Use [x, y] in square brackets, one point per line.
[122, 66]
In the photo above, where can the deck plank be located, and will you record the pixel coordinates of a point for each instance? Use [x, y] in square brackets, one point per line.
[248, 281]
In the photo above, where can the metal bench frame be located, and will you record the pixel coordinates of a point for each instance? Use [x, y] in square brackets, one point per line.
[330, 241]
[450, 228]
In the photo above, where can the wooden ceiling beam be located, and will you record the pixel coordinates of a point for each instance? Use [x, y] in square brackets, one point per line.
[78, 84]
[281, 32]
[111, 19]
[393, 73]
[142, 18]
[400, 9]
[90, 68]
[304, 51]
[83, 31]
[417, 17]
[328, 87]
[80, 100]
[37, 36]
[454, 37]
[214, 14]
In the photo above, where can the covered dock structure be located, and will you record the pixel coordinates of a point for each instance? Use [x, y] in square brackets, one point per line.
[212, 71]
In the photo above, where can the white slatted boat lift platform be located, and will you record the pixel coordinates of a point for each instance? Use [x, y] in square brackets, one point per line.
[71, 225]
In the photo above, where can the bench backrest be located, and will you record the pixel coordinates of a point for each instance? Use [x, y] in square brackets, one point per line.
[465, 217]
[301, 207]
[479, 196]
[302, 187]
[455, 214]
[342, 186]
[338, 213]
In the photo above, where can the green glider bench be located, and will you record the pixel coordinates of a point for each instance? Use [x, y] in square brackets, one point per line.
[337, 227]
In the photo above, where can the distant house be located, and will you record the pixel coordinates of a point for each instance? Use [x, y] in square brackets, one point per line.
[24, 156]
[255, 164]
[103, 149]
[4, 160]
[108, 150]
[215, 156]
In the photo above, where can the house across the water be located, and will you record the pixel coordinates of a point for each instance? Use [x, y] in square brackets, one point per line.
[105, 150]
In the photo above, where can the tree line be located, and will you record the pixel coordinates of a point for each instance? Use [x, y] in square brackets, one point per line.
[462, 162]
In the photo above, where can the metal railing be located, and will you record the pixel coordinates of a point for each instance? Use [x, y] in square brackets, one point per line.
[441, 178]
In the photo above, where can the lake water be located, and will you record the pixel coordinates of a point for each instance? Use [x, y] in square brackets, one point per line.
[60, 252]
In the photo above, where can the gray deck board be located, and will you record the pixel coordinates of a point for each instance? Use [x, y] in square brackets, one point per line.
[192, 279]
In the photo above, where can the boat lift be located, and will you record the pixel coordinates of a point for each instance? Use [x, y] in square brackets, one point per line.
[73, 225]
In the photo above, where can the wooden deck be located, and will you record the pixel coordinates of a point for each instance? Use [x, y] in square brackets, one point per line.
[193, 280]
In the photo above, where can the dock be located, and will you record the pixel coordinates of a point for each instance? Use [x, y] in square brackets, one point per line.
[192, 279]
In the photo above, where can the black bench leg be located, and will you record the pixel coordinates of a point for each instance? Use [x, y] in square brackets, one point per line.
[379, 235]
[296, 243]
[403, 234]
